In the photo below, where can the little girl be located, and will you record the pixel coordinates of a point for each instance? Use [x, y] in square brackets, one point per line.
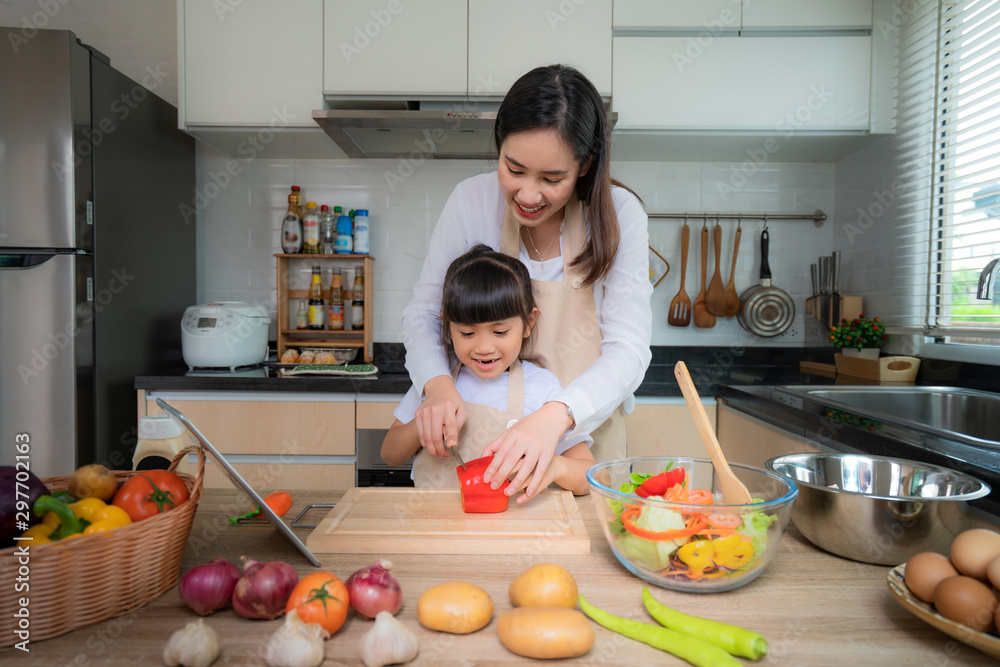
[487, 313]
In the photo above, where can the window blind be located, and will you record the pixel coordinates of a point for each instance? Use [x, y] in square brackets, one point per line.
[947, 150]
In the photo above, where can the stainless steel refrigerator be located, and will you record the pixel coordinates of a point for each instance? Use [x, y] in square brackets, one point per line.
[97, 254]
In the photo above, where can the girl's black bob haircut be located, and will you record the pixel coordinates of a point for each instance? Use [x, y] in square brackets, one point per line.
[484, 285]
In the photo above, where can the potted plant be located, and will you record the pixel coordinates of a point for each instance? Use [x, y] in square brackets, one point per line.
[860, 337]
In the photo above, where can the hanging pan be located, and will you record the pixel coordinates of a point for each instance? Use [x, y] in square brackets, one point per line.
[765, 311]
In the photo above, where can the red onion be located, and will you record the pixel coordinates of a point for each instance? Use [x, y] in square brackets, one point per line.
[264, 588]
[373, 589]
[209, 587]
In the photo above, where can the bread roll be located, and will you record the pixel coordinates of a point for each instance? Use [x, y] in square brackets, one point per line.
[290, 356]
[325, 358]
[307, 357]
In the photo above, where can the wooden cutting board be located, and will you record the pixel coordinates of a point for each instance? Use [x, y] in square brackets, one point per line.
[383, 520]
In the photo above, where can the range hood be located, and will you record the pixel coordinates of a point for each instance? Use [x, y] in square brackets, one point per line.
[418, 131]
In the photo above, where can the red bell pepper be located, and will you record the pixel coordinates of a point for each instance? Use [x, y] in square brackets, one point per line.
[657, 485]
[477, 496]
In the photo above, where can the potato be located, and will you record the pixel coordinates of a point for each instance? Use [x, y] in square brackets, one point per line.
[455, 606]
[544, 585]
[545, 632]
[93, 481]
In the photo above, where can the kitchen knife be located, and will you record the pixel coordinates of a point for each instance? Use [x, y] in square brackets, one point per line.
[453, 451]
[814, 274]
[835, 286]
[824, 290]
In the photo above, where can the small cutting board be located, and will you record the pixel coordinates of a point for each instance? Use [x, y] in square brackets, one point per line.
[383, 520]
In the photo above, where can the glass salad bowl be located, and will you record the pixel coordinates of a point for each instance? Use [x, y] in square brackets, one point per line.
[679, 535]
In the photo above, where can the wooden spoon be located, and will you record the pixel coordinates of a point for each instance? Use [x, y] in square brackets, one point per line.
[734, 492]
[715, 298]
[732, 298]
[679, 314]
[702, 318]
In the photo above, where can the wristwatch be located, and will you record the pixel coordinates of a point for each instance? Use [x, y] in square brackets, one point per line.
[569, 413]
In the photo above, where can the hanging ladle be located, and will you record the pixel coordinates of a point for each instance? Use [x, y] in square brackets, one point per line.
[734, 492]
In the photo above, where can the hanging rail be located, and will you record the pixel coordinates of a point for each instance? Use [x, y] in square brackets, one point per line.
[818, 218]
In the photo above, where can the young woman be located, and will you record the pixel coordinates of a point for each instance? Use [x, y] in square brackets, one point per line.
[584, 239]
[487, 312]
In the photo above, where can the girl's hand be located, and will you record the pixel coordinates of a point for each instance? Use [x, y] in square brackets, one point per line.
[441, 416]
[528, 446]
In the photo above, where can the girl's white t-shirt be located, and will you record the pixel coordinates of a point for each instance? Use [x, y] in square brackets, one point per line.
[540, 386]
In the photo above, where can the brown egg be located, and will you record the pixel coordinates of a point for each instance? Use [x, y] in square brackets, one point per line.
[967, 601]
[993, 572]
[925, 571]
[972, 550]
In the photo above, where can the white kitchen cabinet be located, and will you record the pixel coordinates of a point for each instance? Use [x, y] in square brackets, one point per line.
[507, 39]
[662, 426]
[676, 14]
[394, 48]
[807, 14]
[250, 63]
[777, 84]
[750, 441]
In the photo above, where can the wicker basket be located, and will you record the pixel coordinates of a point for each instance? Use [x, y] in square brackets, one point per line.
[96, 577]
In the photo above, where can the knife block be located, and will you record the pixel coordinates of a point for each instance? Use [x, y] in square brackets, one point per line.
[832, 308]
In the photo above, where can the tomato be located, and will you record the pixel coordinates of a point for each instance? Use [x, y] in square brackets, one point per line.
[657, 485]
[151, 492]
[320, 598]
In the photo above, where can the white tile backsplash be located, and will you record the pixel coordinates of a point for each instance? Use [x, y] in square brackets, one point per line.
[239, 229]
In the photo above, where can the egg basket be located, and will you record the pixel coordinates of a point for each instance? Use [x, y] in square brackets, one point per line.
[74, 583]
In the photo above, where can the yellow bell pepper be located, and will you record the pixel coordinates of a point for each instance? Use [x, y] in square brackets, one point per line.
[39, 530]
[85, 509]
[697, 555]
[732, 552]
[51, 519]
[112, 513]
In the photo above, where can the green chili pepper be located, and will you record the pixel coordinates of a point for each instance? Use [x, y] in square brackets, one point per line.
[698, 652]
[733, 639]
[69, 524]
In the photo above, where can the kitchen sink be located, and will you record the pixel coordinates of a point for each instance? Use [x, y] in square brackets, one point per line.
[967, 415]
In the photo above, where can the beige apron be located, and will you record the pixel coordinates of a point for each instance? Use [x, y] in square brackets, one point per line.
[483, 425]
[567, 337]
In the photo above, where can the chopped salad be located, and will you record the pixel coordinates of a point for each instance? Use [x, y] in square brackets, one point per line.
[693, 545]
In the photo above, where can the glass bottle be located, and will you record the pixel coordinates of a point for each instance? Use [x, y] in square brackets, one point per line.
[335, 307]
[297, 191]
[302, 316]
[358, 303]
[310, 230]
[327, 230]
[316, 300]
[291, 227]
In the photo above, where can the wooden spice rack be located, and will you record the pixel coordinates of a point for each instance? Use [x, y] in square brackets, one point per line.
[299, 338]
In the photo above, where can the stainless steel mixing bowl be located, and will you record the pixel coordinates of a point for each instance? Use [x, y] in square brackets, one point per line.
[878, 510]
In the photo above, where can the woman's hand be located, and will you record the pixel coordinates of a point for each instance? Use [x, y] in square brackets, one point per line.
[528, 447]
[441, 416]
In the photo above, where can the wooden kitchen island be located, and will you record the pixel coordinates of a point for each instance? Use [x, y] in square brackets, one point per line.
[813, 608]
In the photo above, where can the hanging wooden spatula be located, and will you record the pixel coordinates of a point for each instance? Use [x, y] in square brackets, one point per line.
[702, 318]
[715, 298]
[734, 492]
[679, 314]
[732, 298]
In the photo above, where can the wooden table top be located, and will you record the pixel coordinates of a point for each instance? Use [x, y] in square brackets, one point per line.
[813, 608]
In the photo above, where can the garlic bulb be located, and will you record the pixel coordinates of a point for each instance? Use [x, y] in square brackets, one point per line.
[389, 642]
[296, 644]
[194, 645]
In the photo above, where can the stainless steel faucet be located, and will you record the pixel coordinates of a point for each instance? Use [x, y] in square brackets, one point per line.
[988, 282]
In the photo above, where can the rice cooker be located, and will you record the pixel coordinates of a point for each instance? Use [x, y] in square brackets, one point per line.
[224, 334]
